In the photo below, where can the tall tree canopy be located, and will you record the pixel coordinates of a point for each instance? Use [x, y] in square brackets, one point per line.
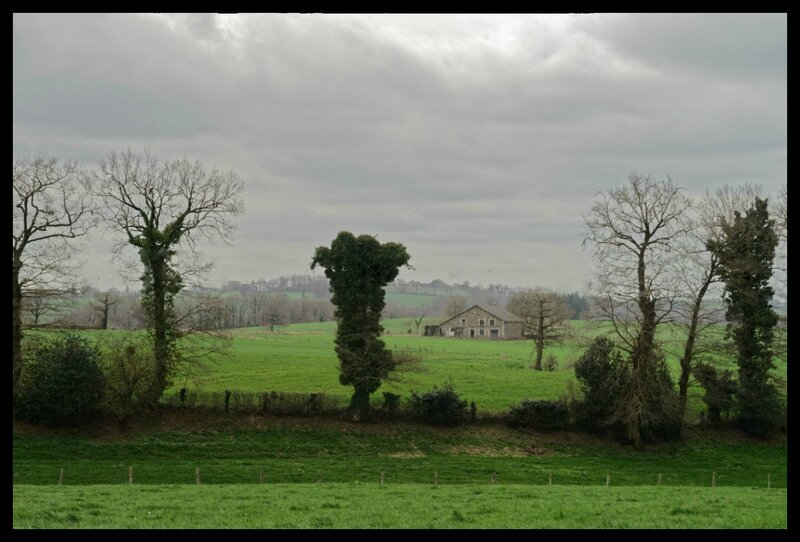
[633, 230]
[746, 256]
[50, 209]
[160, 207]
[358, 269]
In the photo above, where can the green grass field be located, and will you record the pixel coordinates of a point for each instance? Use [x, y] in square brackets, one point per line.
[309, 465]
[325, 473]
[166, 448]
[495, 374]
[354, 505]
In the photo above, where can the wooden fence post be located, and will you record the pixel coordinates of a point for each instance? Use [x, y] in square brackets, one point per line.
[769, 480]
[608, 479]
[494, 477]
[197, 475]
[436, 479]
[130, 474]
[61, 476]
[713, 479]
[659, 479]
[382, 478]
[261, 475]
[550, 482]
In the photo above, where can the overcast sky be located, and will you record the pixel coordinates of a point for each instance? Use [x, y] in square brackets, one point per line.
[476, 141]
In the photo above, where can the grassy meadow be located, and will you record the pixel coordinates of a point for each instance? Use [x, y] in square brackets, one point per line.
[326, 473]
[494, 374]
[268, 471]
[359, 506]
[300, 358]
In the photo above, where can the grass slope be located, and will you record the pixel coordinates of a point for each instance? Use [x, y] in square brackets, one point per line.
[233, 449]
[336, 506]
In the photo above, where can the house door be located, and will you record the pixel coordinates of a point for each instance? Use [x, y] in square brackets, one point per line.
[471, 333]
[494, 333]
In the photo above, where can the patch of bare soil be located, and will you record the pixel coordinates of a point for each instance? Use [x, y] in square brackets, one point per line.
[505, 451]
[407, 455]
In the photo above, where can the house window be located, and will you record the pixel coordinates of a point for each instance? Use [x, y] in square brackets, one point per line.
[491, 322]
[463, 321]
[482, 333]
[483, 322]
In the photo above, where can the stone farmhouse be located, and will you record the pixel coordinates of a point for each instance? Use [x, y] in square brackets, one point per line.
[483, 322]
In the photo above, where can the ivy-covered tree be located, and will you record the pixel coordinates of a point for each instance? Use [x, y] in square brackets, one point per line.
[358, 269]
[746, 254]
[159, 207]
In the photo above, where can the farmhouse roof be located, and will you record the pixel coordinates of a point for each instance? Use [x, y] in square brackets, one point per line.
[494, 311]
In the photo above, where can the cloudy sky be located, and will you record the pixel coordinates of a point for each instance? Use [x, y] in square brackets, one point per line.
[477, 141]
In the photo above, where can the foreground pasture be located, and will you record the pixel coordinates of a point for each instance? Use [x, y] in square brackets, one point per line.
[353, 505]
[268, 471]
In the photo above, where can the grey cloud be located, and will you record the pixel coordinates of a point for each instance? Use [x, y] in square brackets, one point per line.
[458, 135]
[736, 45]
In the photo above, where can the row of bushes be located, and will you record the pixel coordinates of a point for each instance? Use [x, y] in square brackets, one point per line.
[68, 380]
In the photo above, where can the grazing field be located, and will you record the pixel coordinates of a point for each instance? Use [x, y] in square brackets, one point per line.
[495, 374]
[234, 449]
[353, 505]
[326, 473]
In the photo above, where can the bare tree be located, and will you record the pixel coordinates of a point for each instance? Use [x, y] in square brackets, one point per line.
[50, 209]
[418, 321]
[633, 231]
[780, 211]
[44, 307]
[698, 271]
[544, 318]
[455, 305]
[274, 310]
[103, 302]
[160, 208]
[780, 277]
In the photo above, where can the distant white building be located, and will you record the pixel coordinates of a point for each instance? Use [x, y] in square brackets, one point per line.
[483, 322]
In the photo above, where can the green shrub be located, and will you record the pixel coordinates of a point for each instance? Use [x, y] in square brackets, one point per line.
[440, 406]
[63, 383]
[550, 363]
[391, 401]
[636, 403]
[604, 378]
[720, 390]
[765, 413]
[129, 369]
[273, 402]
[539, 414]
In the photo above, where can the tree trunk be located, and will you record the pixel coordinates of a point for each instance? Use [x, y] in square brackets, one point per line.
[686, 364]
[359, 403]
[688, 351]
[16, 336]
[539, 344]
[104, 321]
[642, 357]
[161, 346]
